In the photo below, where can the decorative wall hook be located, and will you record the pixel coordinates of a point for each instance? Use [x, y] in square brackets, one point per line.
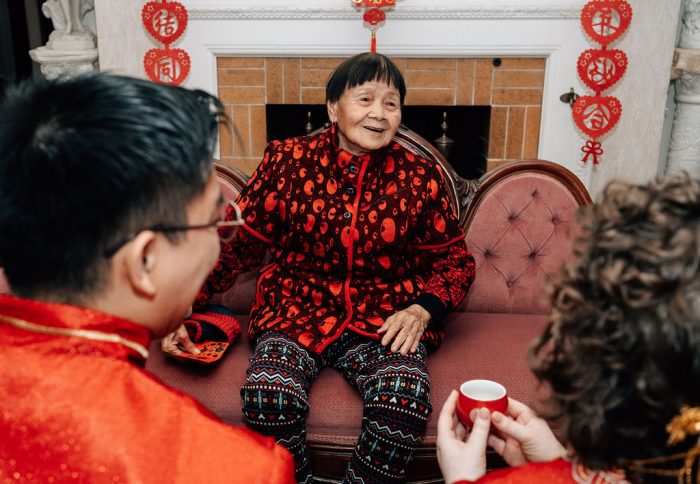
[569, 97]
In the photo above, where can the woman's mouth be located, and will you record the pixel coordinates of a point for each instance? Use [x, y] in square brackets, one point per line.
[374, 129]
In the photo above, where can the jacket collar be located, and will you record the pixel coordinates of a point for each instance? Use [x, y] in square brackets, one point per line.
[105, 334]
[346, 158]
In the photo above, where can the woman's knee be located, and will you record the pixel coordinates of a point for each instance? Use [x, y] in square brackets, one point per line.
[399, 395]
[276, 386]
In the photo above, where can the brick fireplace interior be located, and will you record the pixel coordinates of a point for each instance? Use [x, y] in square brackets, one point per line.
[511, 87]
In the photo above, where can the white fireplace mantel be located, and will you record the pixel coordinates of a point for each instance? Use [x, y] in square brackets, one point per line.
[231, 11]
[447, 28]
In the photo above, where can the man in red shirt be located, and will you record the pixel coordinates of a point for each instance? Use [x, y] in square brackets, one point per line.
[109, 213]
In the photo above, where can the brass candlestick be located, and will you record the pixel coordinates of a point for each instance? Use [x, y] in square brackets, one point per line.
[444, 143]
[309, 127]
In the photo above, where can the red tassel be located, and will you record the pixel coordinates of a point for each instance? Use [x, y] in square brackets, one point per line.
[591, 148]
[373, 45]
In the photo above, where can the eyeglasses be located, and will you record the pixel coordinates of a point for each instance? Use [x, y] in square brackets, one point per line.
[226, 227]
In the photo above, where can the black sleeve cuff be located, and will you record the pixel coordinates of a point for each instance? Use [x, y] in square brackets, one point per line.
[434, 306]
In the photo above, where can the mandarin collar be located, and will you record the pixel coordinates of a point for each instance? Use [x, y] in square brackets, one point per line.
[115, 336]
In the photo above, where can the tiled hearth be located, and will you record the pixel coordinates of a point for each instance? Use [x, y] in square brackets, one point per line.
[513, 87]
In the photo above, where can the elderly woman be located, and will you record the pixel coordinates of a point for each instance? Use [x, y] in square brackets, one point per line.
[621, 355]
[367, 259]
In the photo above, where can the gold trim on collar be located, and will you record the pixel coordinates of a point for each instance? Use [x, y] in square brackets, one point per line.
[77, 333]
[683, 425]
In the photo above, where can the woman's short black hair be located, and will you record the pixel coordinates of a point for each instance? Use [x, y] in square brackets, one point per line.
[622, 351]
[362, 68]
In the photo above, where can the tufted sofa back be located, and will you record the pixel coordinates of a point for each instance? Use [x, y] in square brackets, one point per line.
[519, 226]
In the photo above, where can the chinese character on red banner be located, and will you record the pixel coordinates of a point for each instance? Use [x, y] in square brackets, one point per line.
[165, 21]
[600, 69]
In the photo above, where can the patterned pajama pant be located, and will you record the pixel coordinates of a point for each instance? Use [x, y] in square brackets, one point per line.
[395, 390]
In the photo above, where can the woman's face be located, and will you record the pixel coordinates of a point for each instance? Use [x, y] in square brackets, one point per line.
[368, 116]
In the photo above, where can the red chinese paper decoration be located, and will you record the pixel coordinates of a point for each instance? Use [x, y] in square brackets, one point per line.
[165, 21]
[600, 69]
[374, 16]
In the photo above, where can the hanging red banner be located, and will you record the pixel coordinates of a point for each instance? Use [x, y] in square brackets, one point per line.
[600, 69]
[606, 20]
[596, 115]
[166, 21]
[167, 66]
[374, 16]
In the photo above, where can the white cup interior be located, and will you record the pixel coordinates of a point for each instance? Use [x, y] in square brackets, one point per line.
[483, 390]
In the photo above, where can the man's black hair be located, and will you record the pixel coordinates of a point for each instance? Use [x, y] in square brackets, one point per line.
[361, 68]
[88, 160]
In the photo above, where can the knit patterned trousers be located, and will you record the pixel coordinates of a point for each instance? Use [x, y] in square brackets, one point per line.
[395, 390]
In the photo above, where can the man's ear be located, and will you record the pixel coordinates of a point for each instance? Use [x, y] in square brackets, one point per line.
[140, 260]
[331, 106]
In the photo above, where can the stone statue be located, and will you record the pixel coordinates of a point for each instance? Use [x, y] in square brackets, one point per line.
[69, 31]
[71, 48]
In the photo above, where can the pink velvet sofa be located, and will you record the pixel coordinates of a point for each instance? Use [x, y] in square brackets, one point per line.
[519, 221]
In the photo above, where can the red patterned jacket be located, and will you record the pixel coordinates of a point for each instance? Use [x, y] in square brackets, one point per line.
[353, 240]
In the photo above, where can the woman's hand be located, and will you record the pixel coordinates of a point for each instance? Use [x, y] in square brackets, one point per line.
[528, 438]
[176, 340]
[460, 460]
[405, 328]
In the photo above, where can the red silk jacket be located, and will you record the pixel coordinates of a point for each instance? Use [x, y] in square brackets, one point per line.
[353, 240]
[558, 471]
[77, 406]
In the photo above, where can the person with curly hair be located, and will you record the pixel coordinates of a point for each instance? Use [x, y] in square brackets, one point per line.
[620, 356]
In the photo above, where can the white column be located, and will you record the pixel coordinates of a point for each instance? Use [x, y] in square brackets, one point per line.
[684, 153]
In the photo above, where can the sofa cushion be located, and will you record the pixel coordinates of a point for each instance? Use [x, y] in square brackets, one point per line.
[477, 345]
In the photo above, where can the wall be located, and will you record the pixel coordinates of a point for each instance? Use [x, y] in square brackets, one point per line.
[444, 28]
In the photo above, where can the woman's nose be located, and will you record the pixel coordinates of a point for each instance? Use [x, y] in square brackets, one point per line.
[377, 111]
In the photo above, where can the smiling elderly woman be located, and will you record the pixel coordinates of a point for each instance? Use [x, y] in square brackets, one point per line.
[367, 259]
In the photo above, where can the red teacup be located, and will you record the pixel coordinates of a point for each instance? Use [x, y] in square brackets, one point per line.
[480, 393]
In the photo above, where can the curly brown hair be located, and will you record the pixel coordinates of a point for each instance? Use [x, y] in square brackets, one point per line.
[622, 350]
